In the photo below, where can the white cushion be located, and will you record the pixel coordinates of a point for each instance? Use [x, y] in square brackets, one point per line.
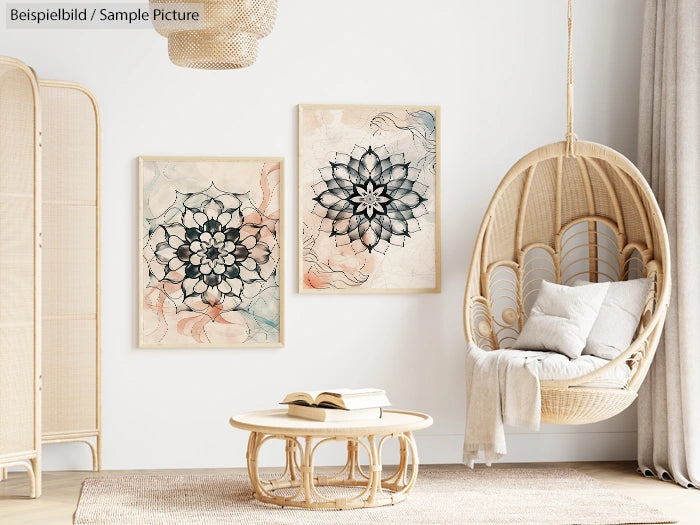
[561, 318]
[552, 366]
[618, 318]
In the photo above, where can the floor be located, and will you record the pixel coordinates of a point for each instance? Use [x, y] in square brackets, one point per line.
[61, 491]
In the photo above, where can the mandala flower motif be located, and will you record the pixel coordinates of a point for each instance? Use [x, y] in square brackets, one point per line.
[370, 199]
[202, 244]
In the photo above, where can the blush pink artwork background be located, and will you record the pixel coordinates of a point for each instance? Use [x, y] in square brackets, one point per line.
[328, 262]
[243, 310]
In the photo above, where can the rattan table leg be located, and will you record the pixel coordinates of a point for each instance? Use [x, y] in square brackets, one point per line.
[307, 495]
[375, 471]
[307, 470]
[352, 464]
[291, 466]
[252, 462]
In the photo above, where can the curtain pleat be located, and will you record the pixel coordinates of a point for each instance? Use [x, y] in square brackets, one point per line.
[669, 156]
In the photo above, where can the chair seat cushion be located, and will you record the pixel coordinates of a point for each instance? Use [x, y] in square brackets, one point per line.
[554, 366]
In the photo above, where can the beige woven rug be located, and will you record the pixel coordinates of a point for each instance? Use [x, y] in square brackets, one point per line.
[484, 496]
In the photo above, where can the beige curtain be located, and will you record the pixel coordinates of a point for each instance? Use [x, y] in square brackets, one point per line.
[669, 153]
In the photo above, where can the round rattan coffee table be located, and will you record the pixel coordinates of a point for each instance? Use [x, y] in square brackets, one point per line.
[298, 485]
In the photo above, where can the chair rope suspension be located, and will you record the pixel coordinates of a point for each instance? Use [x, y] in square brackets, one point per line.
[570, 135]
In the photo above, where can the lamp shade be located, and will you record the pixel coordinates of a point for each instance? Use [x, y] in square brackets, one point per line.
[229, 36]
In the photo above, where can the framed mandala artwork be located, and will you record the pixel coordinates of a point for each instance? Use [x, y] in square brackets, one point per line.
[369, 199]
[210, 252]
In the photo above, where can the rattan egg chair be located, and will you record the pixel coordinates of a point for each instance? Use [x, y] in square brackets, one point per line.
[570, 210]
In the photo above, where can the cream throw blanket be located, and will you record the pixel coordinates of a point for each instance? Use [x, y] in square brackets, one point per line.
[502, 389]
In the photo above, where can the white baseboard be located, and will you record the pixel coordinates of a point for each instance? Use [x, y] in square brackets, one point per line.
[537, 447]
[553, 444]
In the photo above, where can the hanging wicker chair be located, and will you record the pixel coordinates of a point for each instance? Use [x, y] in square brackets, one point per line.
[567, 211]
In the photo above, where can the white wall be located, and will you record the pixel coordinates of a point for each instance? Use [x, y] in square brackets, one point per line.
[497, 69]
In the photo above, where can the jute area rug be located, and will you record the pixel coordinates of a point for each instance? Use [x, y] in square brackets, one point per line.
[483, 496]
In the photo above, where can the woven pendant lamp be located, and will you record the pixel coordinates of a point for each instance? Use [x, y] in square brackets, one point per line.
[229, 38]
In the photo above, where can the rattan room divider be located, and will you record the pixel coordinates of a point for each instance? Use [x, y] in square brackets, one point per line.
[70, 290]
[20, 271]
[49, 269]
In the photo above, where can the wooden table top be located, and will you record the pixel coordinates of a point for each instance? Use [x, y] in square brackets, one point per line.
[278, 422]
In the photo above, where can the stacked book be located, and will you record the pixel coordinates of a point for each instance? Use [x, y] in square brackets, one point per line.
[341, 404]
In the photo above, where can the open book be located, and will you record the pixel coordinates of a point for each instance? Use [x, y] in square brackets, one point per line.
[343, 398]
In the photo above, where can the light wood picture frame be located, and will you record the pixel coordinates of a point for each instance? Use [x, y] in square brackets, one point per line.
[210, 252]
[369, 199]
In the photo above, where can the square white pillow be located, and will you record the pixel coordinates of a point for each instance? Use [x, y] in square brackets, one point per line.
[618, 318]
[561, 318]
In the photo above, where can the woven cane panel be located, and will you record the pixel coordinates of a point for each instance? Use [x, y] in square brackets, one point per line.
[16, 389]
[70, 346]
[69, 265]
[600, 178]
[539, 226]
[500, 244]
[20, 351]
[16, 289]
[16, 132]
[69, 150]
[657, 240]
[635, 215]
[574, 195]
[69, 377]
[16, 212]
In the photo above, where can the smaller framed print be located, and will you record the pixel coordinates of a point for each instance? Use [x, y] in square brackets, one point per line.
[210, 252]
[369, 215]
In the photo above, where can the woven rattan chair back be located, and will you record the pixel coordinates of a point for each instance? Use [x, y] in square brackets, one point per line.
[569, 211]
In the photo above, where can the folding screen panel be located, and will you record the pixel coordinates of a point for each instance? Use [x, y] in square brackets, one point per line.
[71, 349]
[20, 272]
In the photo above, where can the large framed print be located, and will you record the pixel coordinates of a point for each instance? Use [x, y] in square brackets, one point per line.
[369, 199]
[210, 252]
